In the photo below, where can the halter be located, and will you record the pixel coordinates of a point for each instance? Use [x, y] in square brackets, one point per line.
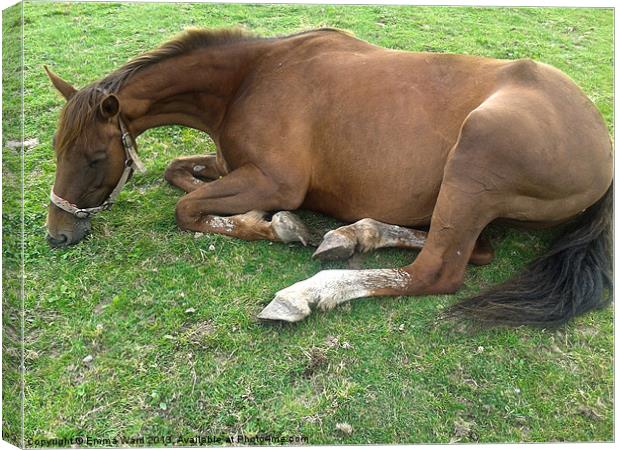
[132, 162]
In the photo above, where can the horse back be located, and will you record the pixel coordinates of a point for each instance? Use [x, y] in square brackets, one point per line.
[367, 131]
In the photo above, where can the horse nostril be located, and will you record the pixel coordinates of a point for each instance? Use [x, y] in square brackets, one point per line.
[57, 242]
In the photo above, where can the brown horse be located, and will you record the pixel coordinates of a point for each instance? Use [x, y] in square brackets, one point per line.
[385, 139]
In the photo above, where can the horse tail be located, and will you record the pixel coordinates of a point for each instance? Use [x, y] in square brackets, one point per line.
[572, 278]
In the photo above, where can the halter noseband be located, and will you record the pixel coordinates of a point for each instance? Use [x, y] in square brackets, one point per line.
[132, 162]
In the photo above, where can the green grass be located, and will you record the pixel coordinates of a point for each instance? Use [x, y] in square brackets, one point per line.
[11, 231]
[385, 366]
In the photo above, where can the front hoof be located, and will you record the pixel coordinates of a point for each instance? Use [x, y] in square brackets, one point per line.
[285, 308]
[289, 228]
[335, 247]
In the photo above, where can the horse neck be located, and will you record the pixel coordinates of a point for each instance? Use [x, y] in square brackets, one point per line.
[192, 90]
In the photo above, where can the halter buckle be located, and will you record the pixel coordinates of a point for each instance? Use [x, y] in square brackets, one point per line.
[126, 139]
[81, 214]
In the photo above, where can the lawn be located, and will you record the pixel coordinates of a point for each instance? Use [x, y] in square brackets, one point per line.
[167, 318]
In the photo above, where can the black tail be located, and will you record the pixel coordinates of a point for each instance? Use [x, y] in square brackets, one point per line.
[574, 277]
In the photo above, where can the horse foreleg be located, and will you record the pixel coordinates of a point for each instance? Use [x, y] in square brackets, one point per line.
[191, 172]
[222, 206]
[284, 226]
[369, 234]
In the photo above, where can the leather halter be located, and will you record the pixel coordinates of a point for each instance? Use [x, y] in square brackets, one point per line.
[132, 162]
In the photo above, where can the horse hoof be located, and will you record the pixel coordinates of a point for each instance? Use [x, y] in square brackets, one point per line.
[285, 308]
[289, 228]
[335, 247]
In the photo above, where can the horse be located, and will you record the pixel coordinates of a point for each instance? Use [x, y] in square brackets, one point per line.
[391, 142]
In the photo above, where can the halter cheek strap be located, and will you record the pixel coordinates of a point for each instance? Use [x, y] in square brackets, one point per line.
[132, 162]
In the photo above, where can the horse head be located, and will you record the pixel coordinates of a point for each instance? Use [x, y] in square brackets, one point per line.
[93, 160]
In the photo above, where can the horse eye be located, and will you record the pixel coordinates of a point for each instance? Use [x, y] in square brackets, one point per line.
[95, 162]
[98, 158]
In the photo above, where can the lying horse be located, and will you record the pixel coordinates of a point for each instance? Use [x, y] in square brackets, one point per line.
[379, 138]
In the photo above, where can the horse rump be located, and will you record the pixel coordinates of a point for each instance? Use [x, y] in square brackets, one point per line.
[572, 278]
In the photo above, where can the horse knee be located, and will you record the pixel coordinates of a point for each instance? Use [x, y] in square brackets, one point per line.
[169, 175]
[185, 214]
[171, 171]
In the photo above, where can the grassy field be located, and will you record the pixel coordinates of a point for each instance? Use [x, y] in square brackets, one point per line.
[169, 317]
[11, 228]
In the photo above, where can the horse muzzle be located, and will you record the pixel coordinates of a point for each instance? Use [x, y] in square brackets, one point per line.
[64, 229]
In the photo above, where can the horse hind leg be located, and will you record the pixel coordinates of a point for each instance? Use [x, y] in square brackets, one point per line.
[456, 224]
[366, 235]
[369, 234]
[329, 288]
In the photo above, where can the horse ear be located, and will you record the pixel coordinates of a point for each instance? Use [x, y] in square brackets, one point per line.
[63, 87]
[109, 106]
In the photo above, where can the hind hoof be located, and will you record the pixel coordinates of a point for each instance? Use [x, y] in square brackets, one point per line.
[286, 308]
[335, 247]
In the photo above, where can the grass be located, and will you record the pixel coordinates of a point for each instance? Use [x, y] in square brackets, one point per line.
[11, 231]
[385, 366]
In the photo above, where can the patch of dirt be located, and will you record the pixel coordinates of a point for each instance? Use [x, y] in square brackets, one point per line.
[591, 412]
[462, 430]
[317, 360]
[199, 333]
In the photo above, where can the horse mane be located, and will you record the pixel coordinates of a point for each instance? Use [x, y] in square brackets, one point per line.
[80, 109]
[186, 42]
